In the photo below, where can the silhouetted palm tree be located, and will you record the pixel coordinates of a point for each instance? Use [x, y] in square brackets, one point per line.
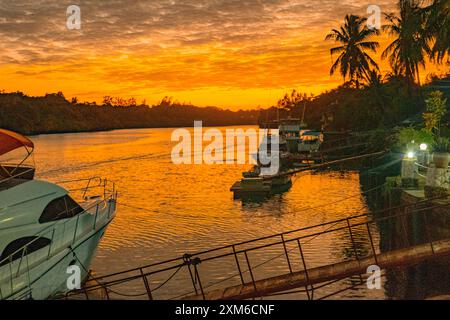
[376, 90]
[374, 79]
[410, 46]
[397, 73]
[353, 61]
[438, 29]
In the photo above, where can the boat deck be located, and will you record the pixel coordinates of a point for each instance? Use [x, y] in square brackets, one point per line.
[240, 191]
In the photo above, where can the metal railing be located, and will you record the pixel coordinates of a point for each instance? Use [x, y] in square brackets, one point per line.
[12, 176]
[425, 168]
[191, 263]
[49, 232]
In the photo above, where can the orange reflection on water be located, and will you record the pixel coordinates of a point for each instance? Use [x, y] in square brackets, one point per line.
[166, 210]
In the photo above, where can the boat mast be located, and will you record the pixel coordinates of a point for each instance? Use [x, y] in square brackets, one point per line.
[304, 111]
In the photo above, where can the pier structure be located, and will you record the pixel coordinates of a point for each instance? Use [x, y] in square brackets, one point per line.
[344, 151]
[258, 187]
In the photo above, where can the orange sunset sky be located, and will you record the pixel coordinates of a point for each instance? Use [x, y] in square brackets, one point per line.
[226, 53]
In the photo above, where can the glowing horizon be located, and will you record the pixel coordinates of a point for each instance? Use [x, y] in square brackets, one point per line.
[224, 53]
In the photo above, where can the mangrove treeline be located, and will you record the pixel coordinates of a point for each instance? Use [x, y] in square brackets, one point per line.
[54, 114]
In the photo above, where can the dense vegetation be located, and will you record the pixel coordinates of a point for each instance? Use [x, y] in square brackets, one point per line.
[385, 104]
[53, 113]
[420, 32]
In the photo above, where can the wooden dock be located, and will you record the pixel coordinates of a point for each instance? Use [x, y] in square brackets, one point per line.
[242, 189]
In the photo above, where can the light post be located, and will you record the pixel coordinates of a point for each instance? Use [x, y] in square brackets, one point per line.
[409, 170]
[424, 155]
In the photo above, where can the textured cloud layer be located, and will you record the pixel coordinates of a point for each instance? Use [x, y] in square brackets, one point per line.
[183, 47]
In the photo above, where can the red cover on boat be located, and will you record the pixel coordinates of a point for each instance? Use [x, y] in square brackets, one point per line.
[10, 141]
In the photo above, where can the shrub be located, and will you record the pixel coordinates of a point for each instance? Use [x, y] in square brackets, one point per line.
[410, 138]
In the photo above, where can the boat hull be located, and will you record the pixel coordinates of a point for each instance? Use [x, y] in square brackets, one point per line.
[50, 277]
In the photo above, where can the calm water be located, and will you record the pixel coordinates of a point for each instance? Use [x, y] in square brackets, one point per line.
[167, 210]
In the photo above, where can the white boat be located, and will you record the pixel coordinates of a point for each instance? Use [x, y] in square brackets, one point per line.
[290, 129]
[46, 228]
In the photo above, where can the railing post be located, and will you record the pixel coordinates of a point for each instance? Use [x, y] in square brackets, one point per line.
[354, 246]
[372, 245]
[76, 229]
[238, 265]
[104, 190]
[402, 222]
[287, 254]
[95, 218]
[250, 271]
[11, 273]
[86, 294]
[147, 285]
[51, 243]
[109, 208]
[427, 231]
[306, 271]
[21, 259]
[106, 292]
[28, 275]
[187, 261]
[87, 187]
[352, 239]
[195, 262]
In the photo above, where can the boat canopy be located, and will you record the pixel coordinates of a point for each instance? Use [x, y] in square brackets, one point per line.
[10, 141]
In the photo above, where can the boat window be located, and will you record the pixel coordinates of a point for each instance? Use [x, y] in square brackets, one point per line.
[73, 207]
[61, 208]
[55, 210]
[19, 248]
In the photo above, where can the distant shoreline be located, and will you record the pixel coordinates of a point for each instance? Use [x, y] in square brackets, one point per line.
[140, 128]
[53, 114]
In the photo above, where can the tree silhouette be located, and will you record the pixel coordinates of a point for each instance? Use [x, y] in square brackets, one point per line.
[353, 61]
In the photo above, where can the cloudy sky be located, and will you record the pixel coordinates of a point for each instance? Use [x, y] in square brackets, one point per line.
[228, 53]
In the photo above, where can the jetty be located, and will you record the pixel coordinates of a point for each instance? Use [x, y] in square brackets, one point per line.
[266, 186]
[329, 149]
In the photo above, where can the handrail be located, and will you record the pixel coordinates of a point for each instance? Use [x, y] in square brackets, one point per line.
[30, 169]
[278, 235]
[425, 167]
[442, 179]
[102, 182]
[45, 230]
